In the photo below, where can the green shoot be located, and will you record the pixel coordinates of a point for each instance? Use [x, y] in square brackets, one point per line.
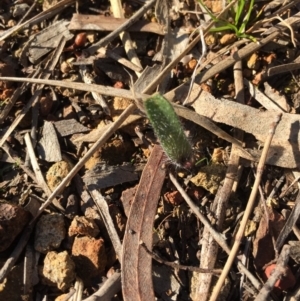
[239, 27]
[169, 130]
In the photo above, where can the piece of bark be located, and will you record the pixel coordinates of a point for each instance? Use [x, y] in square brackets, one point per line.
[48, 39]
[69, 127]
[284, 151]
[49, 148]
[110, 176]
[101, 23]
[268, 230]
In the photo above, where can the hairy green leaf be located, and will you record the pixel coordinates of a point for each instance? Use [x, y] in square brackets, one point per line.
[169, 130]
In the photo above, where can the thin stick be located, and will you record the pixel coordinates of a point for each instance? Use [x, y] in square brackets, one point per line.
[39, 176]
[103, 42]
[121, 60]
[41, 16]
[109, 288]
[107, 220]
[88, 79]
[10, 153]
[204, 50]
[216, 235]
[282, 69]
[209, 250]
[248, 211]
[34, 4]
[11, 260]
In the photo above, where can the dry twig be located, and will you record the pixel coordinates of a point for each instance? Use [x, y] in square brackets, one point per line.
[248, 211]
[55, 9]
[209, 250]
[215, 234]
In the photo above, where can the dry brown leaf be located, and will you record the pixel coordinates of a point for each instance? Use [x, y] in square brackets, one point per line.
[263, 247]
[136, 263]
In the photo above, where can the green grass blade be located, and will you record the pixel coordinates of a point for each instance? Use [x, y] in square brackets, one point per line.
[239, 11]
[247, 18]
[224, 28]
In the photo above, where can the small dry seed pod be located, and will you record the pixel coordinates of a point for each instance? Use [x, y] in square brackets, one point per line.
[80, 39]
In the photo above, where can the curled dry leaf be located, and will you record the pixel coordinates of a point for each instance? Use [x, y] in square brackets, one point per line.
[137, 264]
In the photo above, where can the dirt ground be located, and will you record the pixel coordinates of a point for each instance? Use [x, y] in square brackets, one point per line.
[149, 150]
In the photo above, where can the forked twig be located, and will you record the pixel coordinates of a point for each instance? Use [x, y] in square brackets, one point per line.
[248, 211]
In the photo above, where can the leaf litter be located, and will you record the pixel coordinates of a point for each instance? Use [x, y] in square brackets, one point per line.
[107, 145]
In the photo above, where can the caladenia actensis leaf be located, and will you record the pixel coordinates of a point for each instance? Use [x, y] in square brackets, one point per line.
[169, 131]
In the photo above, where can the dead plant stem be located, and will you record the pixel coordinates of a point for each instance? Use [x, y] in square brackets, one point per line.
[248, 211]
[35, 166]
[217, 236]
[121, 60]
[34, 4]
[18, 161]
[107, 220]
